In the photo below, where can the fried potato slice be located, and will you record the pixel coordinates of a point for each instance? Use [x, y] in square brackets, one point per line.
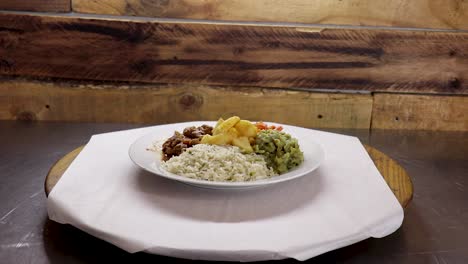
[233, 132]
[224, 126]
[243, 143]
[220, 139]
[246, 128]
[215, 130]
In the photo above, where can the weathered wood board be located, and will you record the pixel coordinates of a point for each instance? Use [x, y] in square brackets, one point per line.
[395, 176]
[448, 14]
[156, 104]
[420, 112]
[36, 5]
[236, 55]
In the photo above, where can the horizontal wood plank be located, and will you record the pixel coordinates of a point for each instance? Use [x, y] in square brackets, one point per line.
[36, 5]
[420, 112]
[239, 55]
[450, 14]
[156, 104]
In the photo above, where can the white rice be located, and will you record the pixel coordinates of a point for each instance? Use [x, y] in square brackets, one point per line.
[218, 163]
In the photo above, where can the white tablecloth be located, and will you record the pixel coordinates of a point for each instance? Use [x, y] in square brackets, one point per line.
[344, 201]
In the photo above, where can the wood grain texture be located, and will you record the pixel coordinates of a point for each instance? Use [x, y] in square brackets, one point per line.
[447, 14]
[239, 55]
[395, 176]
[36, 5]
[424, 112]
[156, 104]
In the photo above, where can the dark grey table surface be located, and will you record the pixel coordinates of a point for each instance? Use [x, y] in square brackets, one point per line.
[435, 229]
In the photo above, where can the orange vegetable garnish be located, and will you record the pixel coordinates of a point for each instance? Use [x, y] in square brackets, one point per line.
[263, 126]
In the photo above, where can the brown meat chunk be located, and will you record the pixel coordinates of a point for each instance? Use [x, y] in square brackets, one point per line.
[178, 143]
[197, 132]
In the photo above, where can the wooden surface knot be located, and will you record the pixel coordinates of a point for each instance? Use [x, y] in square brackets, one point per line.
[143, 67]
[26, 116]
[6, 66]
[454, 83]
[189, 101]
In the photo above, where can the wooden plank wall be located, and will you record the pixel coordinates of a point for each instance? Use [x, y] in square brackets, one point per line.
[441, 14]
[98, 68]
[36, 5]
[448, 14]
[29, 100]
[156, 104]
[420, 112]
[239, 55]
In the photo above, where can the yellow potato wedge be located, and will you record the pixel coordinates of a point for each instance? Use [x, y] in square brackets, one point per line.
[206, 139]
[226, 125]
[215, 129]
[232, 132]
[243, 144]
[220, 139]
[246, 128]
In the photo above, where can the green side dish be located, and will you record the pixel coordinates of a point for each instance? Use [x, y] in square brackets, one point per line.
[281, 151]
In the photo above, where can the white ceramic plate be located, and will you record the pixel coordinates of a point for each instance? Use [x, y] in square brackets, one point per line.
[151, 161]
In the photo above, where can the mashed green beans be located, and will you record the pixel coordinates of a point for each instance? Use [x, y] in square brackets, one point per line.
[281, 151]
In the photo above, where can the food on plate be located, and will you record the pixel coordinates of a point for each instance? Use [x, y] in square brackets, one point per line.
[234, 150]
[176, 144]
[232, 131]
[219, 163]
[281, 151]
[263, 126]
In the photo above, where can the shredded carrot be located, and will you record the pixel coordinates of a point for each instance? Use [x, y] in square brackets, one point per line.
[263, 126]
